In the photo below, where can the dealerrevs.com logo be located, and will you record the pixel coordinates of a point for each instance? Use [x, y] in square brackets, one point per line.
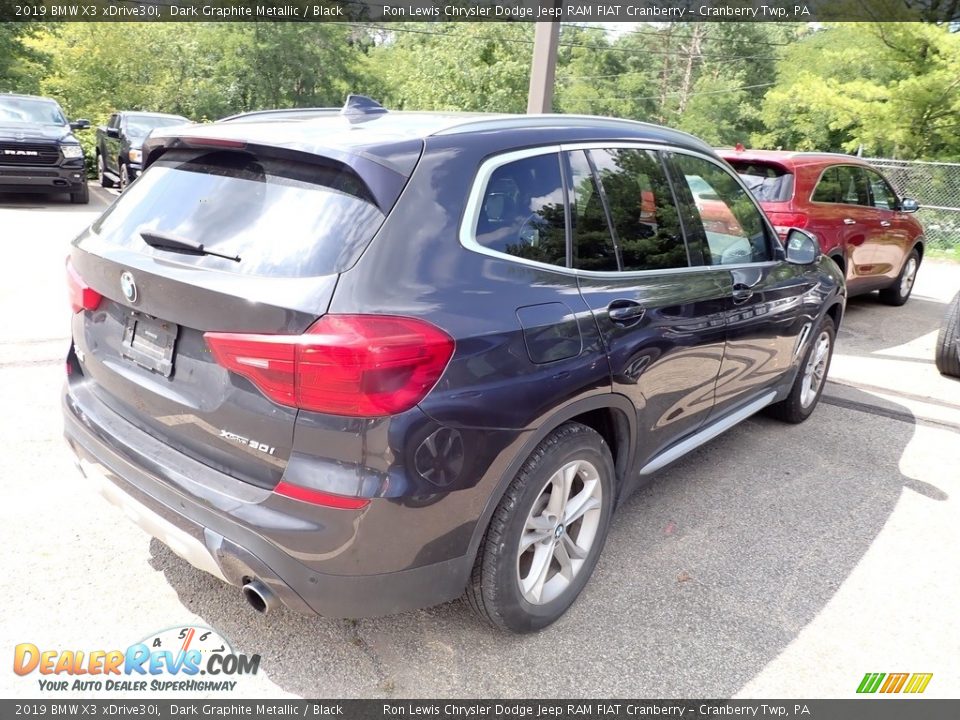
[181, 659]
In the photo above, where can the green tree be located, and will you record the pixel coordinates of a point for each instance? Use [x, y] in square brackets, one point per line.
[891, 89]
[21, 66]
[202, 70]
[455, 66]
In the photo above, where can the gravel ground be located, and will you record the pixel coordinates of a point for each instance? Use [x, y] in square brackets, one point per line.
[776, 561]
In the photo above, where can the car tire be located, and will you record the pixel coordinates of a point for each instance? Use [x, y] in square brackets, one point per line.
[948, 340]
[105, 182]
[811, 377]
[82, 196]
[534, 560]
[898, 293]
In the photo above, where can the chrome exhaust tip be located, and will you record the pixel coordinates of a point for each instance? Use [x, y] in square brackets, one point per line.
[259, 596]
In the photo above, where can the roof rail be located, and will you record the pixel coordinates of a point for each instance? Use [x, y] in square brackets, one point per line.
[281, 113]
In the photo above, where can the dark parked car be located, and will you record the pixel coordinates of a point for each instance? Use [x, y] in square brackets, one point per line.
[119, 145]
[362, 363]
[948, 340]
[38, 150]
[860, 221]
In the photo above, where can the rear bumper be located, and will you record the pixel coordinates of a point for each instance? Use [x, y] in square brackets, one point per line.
[42, 179]
[205, 529]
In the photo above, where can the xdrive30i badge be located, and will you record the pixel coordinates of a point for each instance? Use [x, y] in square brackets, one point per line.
[128, 286]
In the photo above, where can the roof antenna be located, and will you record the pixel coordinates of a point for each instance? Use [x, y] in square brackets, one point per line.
[358, 108]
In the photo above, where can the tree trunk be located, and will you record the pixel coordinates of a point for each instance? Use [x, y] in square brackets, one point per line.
[693, 53]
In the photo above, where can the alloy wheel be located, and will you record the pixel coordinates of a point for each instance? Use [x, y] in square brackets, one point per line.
[909, 275]
[559, 532]
[816, 370]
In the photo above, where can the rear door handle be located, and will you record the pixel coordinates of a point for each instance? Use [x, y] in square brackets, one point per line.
[884, 223]
[849, 221]
[741, 293]
[625, 312]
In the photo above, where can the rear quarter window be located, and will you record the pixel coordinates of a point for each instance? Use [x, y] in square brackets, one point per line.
[767, 182]
[282, 218]
[522, 211]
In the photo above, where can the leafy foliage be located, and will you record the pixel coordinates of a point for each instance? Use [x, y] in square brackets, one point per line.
[891, 88]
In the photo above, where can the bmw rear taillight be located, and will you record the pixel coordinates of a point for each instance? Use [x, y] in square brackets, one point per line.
[82, 296]
[783, 221]
[356, 365]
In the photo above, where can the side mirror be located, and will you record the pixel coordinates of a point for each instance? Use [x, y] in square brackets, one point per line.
[802, 247]
[80, 125]
[113, 132]
[909, 205]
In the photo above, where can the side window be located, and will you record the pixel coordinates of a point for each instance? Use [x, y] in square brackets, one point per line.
[114, 121]
[732, 224]
[853, 185]
[881, 194]
[522, 211]
[593, 246]
[643, 213]
[828, 188]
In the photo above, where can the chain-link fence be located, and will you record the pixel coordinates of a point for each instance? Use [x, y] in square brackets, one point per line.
[936, 186]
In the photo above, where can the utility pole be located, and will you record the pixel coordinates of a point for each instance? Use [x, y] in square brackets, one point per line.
[543, 70]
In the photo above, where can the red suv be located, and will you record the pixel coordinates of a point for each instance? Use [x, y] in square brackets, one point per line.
[848, 205]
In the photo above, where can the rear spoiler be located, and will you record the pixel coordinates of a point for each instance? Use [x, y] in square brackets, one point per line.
[384, 177]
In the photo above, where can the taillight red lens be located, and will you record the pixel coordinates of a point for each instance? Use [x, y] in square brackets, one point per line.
[357, 365]
[318, 497]
[82, 296]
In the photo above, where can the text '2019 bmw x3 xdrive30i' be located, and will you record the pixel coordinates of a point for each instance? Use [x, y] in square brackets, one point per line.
[364, 362]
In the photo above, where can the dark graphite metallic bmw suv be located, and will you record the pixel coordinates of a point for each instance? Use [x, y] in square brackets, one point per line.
[367, 361]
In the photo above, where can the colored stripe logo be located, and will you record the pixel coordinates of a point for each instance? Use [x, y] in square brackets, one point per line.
[894, 682]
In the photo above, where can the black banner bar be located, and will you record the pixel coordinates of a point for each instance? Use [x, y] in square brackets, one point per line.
[852, 709]
[386, 11]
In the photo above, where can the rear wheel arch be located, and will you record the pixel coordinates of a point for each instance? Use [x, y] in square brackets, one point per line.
[612, 415]
[918, 245]
[835, 313]
[837, 257]
[613, 426]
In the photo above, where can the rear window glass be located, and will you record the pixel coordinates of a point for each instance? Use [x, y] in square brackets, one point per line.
[767, 183]
[282, 218]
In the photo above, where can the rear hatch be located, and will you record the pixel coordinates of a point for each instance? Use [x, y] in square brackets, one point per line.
[772, 185]
[282, 228]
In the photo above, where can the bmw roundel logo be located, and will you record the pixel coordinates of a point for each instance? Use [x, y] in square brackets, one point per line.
[128, 286]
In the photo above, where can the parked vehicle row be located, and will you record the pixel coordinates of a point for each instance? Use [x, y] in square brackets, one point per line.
[358, 373]
[850, 207]
[118, 155]
[38, 151]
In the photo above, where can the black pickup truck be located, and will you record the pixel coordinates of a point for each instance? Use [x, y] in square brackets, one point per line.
[119, 142]
[38, 150]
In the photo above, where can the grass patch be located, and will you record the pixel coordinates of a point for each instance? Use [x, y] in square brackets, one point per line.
[942, 254]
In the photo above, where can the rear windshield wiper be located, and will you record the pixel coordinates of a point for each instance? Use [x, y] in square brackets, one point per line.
[162, 241]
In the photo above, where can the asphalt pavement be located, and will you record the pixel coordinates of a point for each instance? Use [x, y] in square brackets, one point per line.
[776, 561]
